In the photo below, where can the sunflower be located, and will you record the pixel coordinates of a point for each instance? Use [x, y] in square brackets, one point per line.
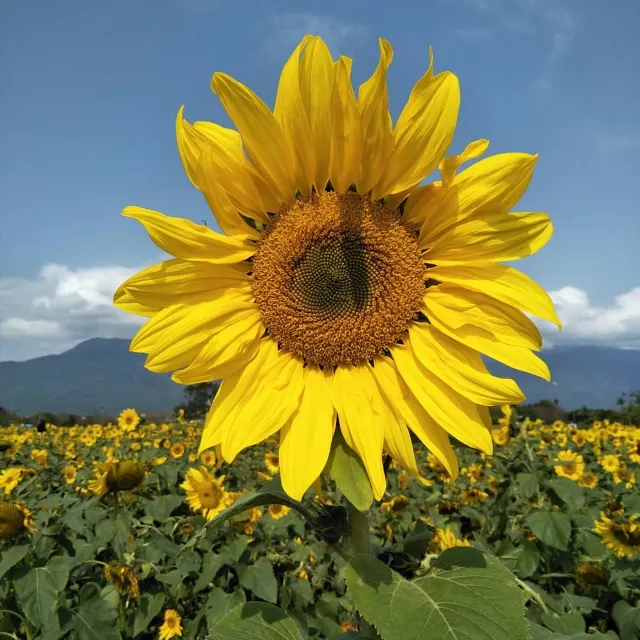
[123, 579]
[69, 474]
[623, 539]
[473, 495]
[10, 478]
[396, 506]
[573, 466]
[444, 539]
[206, 493]
[128, 420]
[588, 480]
[592, 577]
[41, 456]
[501, 436]
[15, 519]
[272, 462]
[355, 296]
[171, 625]
[277, 511]
[610, 462]
[177, 449]
[208, 458]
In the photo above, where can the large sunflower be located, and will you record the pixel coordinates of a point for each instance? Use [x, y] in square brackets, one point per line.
[343, 293]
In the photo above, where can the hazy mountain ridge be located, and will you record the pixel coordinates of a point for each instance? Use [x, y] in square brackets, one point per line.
[102, 374]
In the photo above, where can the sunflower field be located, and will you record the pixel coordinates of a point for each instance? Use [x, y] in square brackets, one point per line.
[122, 531]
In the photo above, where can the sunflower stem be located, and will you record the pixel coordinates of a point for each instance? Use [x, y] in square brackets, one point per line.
[359, 541]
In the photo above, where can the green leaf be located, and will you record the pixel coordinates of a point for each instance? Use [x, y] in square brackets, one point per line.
[38, 590]
[303, 593]
[528, 484]
[416, 543]
[346, 468]
[551, 527]
[627, 619]
[523, 560]
[95, 620]
[466, 595]
[569, 624]
[11, 557]
[160, 507]
[255, 620]
[259, 579]
[188, 562]
[148, 609]
[211, 564]
[567, 490]
[220, 603]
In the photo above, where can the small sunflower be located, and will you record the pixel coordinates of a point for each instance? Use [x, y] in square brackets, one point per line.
[123, 579]
[69, 474]
[15, 519]
[344, 294]
[206, 493]
[128, 420]
[277, 511]
[610, 462]
[501, 436]
[41, 456]
[473, 495]
[592, 577]
[171, 626]
[396, 506]
[177, 449]
[573, 466]
[250, 519]
[208, 458]
[622, 538]
[272, 462]
[588, 480]
[444, 539]
[10, 478]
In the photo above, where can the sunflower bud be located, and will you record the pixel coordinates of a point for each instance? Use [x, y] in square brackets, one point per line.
[12, 521]
[124, 475]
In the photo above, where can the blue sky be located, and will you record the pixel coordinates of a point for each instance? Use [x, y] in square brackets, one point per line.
[90, 91]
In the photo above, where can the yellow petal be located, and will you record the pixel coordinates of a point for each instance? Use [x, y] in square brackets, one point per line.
[497, 237]
[290, 112]
[346, 129]
[353, 397]
[125, 302]
[503, 283]
[186, 282]
[423, 132]
[491, 185]
[234, 341]
[305, 441]
[460, 367]
[398, 395]
[454, 413]
[316, 84]
[245, 413]
[451, 164]
[261, 133]
[377, 134]
[186, 239]
[456, 306]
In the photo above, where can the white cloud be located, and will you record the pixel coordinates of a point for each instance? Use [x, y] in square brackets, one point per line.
[60, 308]
[286, 31]
[583, 323]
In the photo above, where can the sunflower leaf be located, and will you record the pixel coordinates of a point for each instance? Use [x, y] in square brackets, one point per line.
[255, 620]
[346, 468]
[467, 594]
[553, 528]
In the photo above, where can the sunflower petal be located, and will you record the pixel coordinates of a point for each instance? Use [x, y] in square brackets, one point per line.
[305, 441]
[377, 133]
[503, 283]
[234, 341]
[346, 129]
[289, 111]
[451, 164]
[316, 84]
[460, 367]
[185, 239]
[354, 390]
[186, 282]
[423, 132]
[496, 237]
[125, 302]
[261, 133]
[453, 412]
[432, 435]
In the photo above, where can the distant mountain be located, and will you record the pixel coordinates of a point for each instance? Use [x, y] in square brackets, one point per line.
[102, 374]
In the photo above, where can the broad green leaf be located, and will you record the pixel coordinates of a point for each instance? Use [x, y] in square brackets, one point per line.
[465, 595]
[528, 484]
[627, 619]
[417, 542]
[219, 603]
[188, 562]
[11, 556]
[38, 590]
[255, 620]
[302, 591]
[569, 624]
[160, 507]
[522, 560]
[551, 527]
[259, 579]
[567, 490]
[211, 564]
[95, 620]
[346, 468]
[148, 609]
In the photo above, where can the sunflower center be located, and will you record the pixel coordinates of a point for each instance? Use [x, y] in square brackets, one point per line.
[338, 278]
[627, 534]
[210, 496]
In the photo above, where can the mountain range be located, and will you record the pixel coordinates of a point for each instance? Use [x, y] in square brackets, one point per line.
[102, 375]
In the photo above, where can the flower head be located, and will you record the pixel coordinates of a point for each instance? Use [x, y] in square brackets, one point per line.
[128, 420]
[356, 298]
[206, 493]
[171, 626]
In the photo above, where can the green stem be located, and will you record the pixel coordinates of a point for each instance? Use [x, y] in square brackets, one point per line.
[359, 541]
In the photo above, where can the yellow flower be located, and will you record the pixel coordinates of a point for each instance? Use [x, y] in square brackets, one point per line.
[580, 437]
[117, 475]
[271, 461]
[249, 521]
[10, 478]
[277, 511]
[623, 539]
[473, 496]
[69, 474]
[303, 574]
[396, 505]
[403, 479]
[208, 458]
[171, 626]
[574, 469]
[592, 577]
[123, 579]
[588, 480]
[156, 462]
[301, 312]
[15, 519]
[445, 539]
[610, 462]
[264, 476]
[128, 420]
[348, 626]
[475, 472]
[501, 436]
[41, 456]
[176, 451]
[206, 493]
